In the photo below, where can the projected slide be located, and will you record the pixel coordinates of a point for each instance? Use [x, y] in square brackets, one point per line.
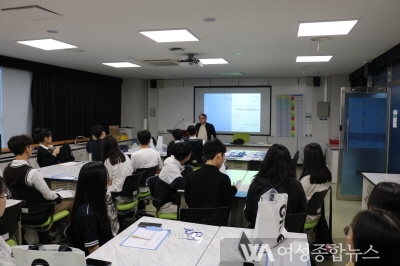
[234, 112]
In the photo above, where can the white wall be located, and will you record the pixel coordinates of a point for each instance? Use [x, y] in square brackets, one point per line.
[133, 107]
[16, 103]
[174, 102]
[336, 82]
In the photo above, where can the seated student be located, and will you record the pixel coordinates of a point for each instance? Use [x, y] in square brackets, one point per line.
[146, 157]
[171, 177]
[197, 146]
[207, 187]
[90, 227]
[94, 144]
[45, 156]
[316, 176]
[276, 171]
[19, 174]
[118, 167]
[385, 196]
[177, 134]
[5, 250]
[374, 238]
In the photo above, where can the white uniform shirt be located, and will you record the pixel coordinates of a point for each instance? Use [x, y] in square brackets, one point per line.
[118, 173]
[35, 178]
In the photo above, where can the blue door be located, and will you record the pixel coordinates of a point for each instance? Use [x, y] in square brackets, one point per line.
[394, 135]
[363, 140]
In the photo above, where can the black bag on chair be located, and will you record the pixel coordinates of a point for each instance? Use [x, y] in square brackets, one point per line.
[65, 154]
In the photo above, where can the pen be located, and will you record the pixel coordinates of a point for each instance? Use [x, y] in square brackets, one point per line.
[140, 237]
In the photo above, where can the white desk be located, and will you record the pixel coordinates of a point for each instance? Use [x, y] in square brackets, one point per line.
[177, 251]
[235, 160]
[369, 182]
[170, 252]
[55, 173]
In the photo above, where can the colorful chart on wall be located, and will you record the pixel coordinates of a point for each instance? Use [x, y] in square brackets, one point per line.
[290, 116]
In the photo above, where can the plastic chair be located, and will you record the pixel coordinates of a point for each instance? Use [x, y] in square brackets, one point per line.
[144, 197]
[295, 222]
[209, 216]
[315, 206]
[9, 223]
[129, 189]
[157, 202]
[38, 214]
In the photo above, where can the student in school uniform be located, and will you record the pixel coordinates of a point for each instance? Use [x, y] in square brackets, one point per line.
[177, 134]
[19, 174]
[5, 250]
[207, 187]
[94, 144]
[118, 167]
[171, 178]
[197, 147]
[45, 156]
[90, 227]
[276, 171]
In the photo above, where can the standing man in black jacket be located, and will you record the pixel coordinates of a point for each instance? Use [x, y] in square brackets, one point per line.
[205, 130]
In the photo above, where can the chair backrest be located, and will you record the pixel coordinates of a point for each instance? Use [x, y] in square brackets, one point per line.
[9, 220]
[295, 222]
[131, 186]
[151, 183]
[148, 172]
[295, 159]
[36, 209]
[314, 205]
[209, 216]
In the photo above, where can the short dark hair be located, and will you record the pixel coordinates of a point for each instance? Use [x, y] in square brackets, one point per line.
[203, 114]
[41, 133]
[18, 144]
[314, 165]
[177, 134]
[379, 230]
[97, 130]
[111, 151]
[91, 190]
[191, 130]
[385, 196]
[144, 137]
[212, 147]
[181, 150]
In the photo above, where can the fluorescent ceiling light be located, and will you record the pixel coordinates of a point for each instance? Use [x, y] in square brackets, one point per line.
[326, 28]
[324, 58]
[213, 61]
[48, 44]
[170, 35]
[121, 64]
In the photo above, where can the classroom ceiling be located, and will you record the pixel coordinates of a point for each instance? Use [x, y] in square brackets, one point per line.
[264, 31]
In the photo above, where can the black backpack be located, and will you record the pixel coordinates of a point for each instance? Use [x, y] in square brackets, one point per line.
[65, 154]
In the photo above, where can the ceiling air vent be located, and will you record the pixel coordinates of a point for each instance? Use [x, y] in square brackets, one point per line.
[161, 62]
